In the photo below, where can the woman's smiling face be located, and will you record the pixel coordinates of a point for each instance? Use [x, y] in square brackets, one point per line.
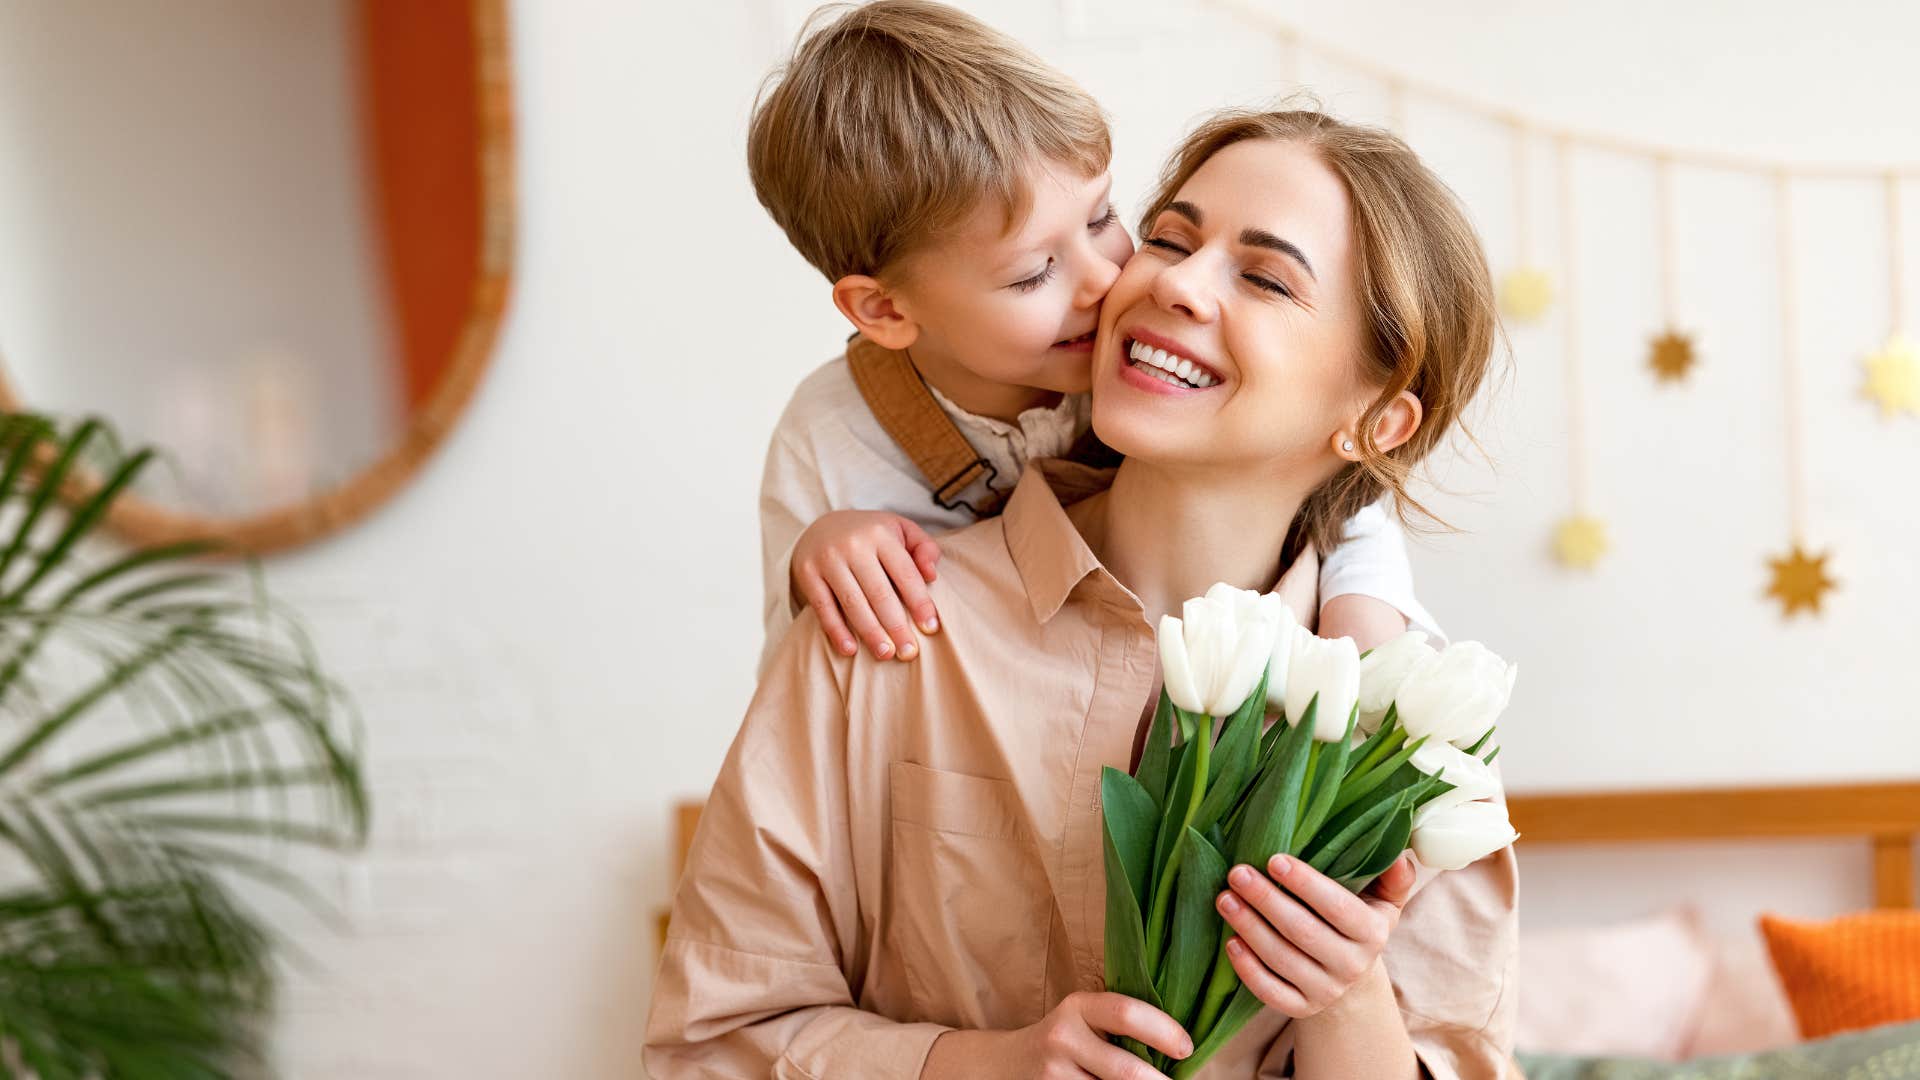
[1246, 286]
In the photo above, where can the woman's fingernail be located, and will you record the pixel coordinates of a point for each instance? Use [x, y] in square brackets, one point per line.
[930, 624]
[909, 651]
[1242, 876]
[1186, 1048]
[847, 646]
[883, 650]
[1279, 866]
[1234, 947]
[1228, 904]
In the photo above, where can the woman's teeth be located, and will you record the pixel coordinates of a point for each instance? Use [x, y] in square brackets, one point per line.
[1175, 370]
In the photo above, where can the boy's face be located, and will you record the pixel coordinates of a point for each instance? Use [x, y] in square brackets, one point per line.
[1018, 306]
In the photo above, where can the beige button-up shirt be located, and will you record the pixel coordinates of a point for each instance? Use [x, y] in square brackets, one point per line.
[892, 850]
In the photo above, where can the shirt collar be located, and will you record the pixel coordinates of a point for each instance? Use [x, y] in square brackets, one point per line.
[1048, 551]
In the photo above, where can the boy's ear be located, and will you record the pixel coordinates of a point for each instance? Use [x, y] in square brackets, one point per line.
[874, 311]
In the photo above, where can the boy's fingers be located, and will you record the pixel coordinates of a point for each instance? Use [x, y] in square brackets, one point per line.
[926, 556]
[820, 599]
[913, 591]
[853, 604]
[886, 607]
[925, 551]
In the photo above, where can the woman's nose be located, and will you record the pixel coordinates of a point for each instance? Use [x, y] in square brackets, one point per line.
[1182, 288]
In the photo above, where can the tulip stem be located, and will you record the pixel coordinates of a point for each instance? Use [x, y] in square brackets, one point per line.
[1163, 891]
[1375, 756]
[1220, 987]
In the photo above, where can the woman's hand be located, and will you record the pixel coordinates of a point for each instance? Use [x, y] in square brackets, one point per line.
[868, 568]
[1069, 1043]
[1304, 939]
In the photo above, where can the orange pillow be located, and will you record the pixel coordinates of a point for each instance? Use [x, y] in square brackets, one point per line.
[1856, 971]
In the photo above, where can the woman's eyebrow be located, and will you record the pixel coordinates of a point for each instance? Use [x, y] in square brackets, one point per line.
[1261, 238]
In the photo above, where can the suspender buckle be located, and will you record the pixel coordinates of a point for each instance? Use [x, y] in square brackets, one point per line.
[960, 481]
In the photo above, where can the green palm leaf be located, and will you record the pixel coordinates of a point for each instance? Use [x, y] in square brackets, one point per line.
[165, 728]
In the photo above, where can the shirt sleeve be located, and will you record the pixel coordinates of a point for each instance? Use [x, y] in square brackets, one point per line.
[1371, 560]
[765, 945]
[1453, 961]
[792, 497]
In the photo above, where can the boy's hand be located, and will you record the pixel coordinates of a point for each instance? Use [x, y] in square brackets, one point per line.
[867, 569]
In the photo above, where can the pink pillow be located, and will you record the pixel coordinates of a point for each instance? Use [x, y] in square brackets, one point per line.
[1633, 988]
[1747, 1009]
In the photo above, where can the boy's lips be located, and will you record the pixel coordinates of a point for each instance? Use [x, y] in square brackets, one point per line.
[1083, 343]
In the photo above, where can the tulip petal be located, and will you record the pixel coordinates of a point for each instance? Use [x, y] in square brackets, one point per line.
[1175, 667]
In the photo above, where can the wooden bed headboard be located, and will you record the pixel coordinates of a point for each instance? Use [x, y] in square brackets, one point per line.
[1885, 816]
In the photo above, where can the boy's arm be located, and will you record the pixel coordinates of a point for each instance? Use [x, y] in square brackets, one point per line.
[791, 498]
[1366, 584]
[765, 944]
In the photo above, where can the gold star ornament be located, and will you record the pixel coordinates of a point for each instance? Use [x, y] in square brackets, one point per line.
[1672, 356]
[1893, 377]
[1526, 293]
[1580, 541]
[1800, 581]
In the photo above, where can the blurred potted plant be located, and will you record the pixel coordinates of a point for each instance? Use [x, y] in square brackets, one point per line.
[167, 736]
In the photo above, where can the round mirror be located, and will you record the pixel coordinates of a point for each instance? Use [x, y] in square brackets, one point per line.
[272, 240]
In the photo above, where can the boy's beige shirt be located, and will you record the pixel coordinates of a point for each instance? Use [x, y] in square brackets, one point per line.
[892, 850]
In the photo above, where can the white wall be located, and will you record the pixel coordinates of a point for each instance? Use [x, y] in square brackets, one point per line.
[552, 632]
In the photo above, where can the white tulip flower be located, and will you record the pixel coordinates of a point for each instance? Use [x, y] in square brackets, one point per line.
[1213, 655]
[1456, 694]
[1382, 672]
[1329, 668]
[1457, 836]
[1472, 778]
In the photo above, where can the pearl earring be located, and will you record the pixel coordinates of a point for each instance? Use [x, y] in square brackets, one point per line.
[1346, 446]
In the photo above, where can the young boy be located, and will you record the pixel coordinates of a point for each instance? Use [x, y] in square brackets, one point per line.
[954, 189]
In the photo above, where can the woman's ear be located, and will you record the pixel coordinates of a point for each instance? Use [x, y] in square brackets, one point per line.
[874, 311]
[1397, 423]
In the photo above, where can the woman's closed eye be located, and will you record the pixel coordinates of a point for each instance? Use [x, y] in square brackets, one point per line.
[1254, 278]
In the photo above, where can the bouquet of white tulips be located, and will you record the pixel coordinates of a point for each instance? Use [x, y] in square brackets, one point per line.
[1368, 756]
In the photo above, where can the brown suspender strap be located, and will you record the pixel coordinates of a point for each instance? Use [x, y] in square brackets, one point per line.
[907, 411]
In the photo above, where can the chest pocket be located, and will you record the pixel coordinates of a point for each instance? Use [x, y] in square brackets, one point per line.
[970, 910]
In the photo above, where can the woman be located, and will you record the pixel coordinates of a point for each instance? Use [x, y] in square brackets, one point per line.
[899, 871]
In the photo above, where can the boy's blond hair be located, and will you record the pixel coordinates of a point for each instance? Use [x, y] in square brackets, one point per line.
[894, 120]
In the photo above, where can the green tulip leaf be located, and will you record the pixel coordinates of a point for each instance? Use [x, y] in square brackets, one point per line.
[1196, 927]
[1131, 818]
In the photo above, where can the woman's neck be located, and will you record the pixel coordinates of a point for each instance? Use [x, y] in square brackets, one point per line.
[1169, 535]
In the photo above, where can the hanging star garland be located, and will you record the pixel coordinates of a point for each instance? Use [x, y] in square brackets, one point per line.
[1672, 356]
[1580, 541]
[1800, 581]
[1893, 377]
